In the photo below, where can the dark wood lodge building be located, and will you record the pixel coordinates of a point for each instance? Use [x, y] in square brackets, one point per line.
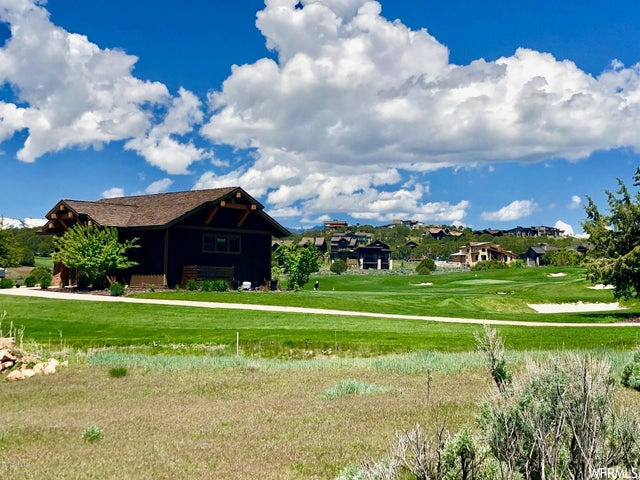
[200, 234]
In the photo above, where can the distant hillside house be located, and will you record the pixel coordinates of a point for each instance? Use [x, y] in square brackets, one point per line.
[375, 255]
[319, 242]
[356, 253]
[412, 224]
[533, 256]
[539, 231]
[440, 233]
[199, 234]
[335, 224]
[475, 252]
[349, 240]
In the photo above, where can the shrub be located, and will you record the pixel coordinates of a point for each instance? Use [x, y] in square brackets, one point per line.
[191, 286]
[490, 265]
[152, 288]
[83, 281]
[631, 372]
[219, 286]
[30, 281]
[559, 419]
[92, 433]
[45, 281]
[426, 266]
[118, 372]
[39, 272]
[116, 289]
[338, 266]
[562, 258]
[6, 283]
[490, 344]
[518, 263]
[206, 286]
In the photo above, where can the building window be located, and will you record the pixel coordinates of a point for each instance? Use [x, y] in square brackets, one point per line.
[214, 243]
[483, 257]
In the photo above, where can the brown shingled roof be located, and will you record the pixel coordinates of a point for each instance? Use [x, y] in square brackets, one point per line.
[160, 208]
[157, 209]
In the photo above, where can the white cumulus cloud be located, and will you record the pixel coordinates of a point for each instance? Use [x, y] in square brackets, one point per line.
[514, 211]
[568, 229]
[113, 192]
[74, 94]
[352, 94]
[159, 186]
[576, 201]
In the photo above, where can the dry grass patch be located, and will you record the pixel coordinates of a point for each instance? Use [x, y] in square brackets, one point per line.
[232, 423]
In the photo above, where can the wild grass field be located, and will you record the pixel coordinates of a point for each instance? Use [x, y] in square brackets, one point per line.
[306, 396]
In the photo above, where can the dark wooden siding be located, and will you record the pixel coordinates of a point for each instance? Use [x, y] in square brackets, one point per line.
[253, 263]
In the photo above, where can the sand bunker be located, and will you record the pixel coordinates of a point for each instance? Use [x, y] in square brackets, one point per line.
[574, 307]
[601, 286]
[557, 275]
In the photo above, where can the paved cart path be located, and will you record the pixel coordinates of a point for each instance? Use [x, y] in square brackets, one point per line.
[37, 292]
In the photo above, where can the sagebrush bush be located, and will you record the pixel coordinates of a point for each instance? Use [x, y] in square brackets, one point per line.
[559, 419]
[116, 289]
[631, 372]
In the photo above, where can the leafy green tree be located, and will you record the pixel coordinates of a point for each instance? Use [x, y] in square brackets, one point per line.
[94, 251]
[615, 258]
[561, 258]
[338, 266]
[10, 251]
[297, 262]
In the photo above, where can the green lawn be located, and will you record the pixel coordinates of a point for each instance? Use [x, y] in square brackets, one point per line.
[90, 324]
[46, 262]
[496, 294]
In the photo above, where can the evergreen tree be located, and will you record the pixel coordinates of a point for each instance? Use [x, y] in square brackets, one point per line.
[615, 258]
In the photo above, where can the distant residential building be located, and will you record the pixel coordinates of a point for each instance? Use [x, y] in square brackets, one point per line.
[539, 231]
[319, 242]
[375, 255]
[533, 256]
[358, 251]
[412, 224]
[439, 233]
[474, 252]
[335, 224]
[489, 231]
[349, 240]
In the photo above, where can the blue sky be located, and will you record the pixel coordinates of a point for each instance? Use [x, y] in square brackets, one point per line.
[486, 114]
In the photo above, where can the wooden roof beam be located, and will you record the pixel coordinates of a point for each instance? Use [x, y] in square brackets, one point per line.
[242, 218]
[211, 214]
[238, 206]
